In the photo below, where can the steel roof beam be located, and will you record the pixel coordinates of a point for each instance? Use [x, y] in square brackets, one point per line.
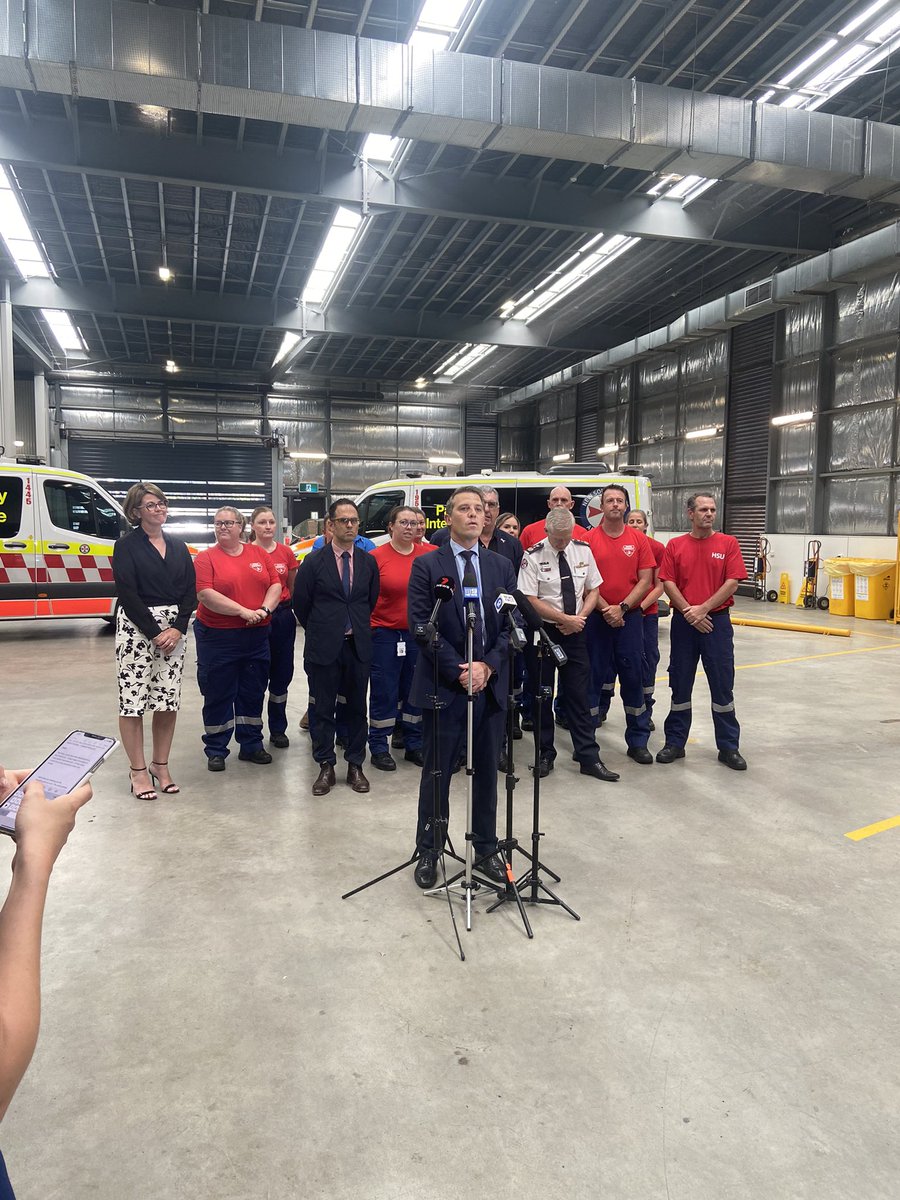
[255, 312]
[261, 170]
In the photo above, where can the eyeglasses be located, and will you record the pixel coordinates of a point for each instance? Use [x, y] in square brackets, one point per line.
[224, 524]
[407, 524]
[346, 520]
[491, 503]
[155, 506]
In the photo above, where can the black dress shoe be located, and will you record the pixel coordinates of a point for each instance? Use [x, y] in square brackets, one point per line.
[733, 759]
[527, 724]
[426, 870]
[383, 762]
[669, 753]
[517, 725]
[640, 754]
[545, 766]
[598, 771]
[260, 757]
[280, 741]
[416, 757]
[215, 763]
[325, 782]
[356, 779]
[494, 868]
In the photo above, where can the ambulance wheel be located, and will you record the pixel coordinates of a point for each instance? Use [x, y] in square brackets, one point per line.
[809, 602]
[822, 603]
[772, 596]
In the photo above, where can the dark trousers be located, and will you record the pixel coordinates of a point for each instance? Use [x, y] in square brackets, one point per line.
[349, 678]
[716, 651]
[619, 652]
[487, 731]
[389, 690]
[232, 672]
[575, 678]
[651, 659]
[283, 634]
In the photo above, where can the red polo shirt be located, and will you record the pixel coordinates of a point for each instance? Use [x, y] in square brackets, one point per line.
[619, 560]
[699, 566]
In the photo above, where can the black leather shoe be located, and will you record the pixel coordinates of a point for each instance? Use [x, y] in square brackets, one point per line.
[517, 726]
[325, 782]
[598, 771]
[494, 868]
[383, 762]
[398, 740]
[426, 870]
[545, 766]
[640, 754]
[280, 741]
[670, 753]
[527, 724]
[260, 757]
[356, 779]
[561, 720]
[416, 757]
[215, 763]
[733, 759]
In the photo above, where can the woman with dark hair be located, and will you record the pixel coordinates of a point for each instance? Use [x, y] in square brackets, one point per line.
[155, 584]
[283, 629]
[238, 589]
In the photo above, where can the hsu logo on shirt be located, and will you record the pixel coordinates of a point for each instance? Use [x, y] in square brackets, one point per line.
[255, 566]
[629, 549]
[717, 554]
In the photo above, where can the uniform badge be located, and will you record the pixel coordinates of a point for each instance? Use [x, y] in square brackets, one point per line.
[629, 550]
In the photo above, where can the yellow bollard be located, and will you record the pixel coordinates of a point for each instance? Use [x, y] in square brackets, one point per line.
[796, 627]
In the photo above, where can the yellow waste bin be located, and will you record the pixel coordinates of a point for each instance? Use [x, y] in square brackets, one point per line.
[874, 588]
[840, 585]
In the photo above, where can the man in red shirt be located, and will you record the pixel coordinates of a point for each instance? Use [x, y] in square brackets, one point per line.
[560, 497]
[701, 571]
[615, 630]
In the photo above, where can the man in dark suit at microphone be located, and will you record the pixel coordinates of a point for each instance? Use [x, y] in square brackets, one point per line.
[476, 576]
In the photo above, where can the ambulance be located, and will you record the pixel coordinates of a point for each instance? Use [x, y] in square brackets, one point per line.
[57, 533]
[523, 493]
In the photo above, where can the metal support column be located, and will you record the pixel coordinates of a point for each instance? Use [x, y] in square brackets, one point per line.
[7, 379]
[41, 418]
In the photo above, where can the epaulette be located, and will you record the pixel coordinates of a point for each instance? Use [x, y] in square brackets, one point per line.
[579, 542]
[536, 546]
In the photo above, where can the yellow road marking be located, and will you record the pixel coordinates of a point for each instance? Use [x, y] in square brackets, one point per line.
[857, 835]
[780, 662]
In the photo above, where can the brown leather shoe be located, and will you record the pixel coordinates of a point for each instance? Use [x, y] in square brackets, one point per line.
[325, 782]
[356, 779]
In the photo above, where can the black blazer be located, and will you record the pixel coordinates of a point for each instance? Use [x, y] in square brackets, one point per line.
[501, 543]
[144, 579]
[496, 575]
[321, 607]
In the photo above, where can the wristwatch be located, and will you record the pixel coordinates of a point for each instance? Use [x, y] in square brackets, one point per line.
[267, 611]
[625, 607]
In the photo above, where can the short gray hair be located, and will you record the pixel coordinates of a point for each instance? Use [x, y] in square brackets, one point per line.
[560, 520]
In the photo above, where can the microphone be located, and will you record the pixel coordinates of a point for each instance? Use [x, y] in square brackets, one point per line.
[505, 603]
[443, 591]
[470, 594]
[534, 623]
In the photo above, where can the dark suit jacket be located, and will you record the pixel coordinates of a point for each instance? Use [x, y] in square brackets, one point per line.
[321, 608]
[501, 543]
[496, 575]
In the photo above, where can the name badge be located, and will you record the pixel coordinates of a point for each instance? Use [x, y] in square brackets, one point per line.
[401, 649]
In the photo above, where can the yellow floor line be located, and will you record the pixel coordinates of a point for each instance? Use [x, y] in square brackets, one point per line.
[857, 835]
[886, 636]
[780, 662]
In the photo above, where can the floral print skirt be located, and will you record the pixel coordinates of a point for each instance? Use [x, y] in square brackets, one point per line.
[149, 681]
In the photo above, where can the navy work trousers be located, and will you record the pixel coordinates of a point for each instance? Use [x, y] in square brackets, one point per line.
[281, 669]
[619, 652]
[232, 673]
[389, 690]
[716, 651]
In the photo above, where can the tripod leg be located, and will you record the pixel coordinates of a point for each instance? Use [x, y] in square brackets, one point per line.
[554, 899]
[387, 874]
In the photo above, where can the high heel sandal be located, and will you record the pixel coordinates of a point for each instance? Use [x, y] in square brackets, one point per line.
[171, 789]
[150, 794]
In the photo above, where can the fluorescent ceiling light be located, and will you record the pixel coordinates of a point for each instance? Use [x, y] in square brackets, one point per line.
[331, 257]
[793, 418]
[591, 258]
[709, 432]
[863, 17]
[308, 455]
[561, 457]
[290, 342]
[421, 382]
[165, 274]
[612, 448]
[463, 359]
[445, 460]
[154, 112]
[810, 60]
[17, 235]
[63, 330]
[18, 443]
[171, 366]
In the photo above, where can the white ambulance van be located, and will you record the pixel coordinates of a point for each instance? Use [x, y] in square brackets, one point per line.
[57, 532]
[524, 494]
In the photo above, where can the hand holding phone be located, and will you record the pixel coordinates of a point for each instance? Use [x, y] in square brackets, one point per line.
[43, 825]
[60, 776]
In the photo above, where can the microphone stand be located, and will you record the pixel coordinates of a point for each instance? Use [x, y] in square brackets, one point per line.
[531, 880]
[428, 635]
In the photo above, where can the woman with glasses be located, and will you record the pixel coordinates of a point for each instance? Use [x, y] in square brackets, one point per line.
[283, 632]
[394, 652]
[155, 585]
[238, 589]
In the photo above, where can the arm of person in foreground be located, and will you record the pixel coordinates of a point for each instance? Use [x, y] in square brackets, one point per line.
[42, 827]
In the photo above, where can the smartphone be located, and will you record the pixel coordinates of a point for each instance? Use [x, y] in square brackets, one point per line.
[72, 763]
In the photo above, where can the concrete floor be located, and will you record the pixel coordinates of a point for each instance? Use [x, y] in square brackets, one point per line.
[722, 1022]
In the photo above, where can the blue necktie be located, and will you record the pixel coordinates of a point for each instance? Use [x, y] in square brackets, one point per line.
[345, 583]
